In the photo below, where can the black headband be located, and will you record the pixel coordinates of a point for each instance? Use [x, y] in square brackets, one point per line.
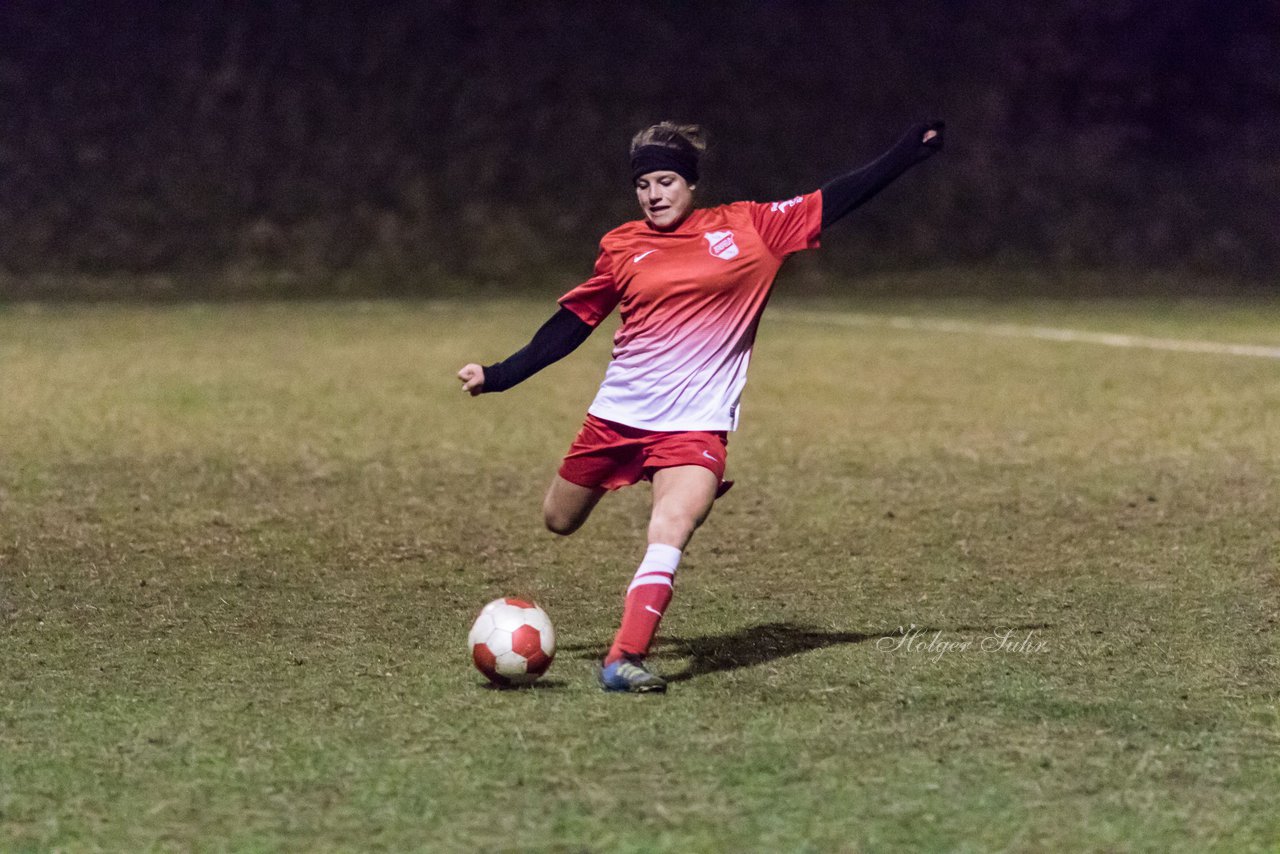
[664, 158]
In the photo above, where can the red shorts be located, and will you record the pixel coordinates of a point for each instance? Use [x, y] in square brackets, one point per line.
[611, 455]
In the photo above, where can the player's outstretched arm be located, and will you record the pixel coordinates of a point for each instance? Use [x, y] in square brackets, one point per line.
[843, 194]
[556, 338]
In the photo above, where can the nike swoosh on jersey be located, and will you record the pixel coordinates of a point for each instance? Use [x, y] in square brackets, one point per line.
[637, 259]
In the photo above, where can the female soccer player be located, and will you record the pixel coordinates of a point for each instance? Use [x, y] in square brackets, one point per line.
[691, 284]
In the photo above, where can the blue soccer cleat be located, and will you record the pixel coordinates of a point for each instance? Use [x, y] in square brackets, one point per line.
[629, 674]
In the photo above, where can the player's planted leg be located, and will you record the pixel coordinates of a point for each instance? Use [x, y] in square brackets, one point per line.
[682, 499]
[629, 674]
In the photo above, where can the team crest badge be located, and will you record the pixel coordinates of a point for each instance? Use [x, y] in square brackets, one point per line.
[722, 245]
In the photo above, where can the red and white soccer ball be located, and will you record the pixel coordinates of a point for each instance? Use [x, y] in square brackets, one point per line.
[512, 642]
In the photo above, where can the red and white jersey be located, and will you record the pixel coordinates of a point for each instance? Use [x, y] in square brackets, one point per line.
[690, 301]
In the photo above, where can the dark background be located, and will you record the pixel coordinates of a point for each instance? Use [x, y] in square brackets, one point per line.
[437, 147]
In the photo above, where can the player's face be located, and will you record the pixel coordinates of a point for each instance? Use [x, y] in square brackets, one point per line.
[665, 198]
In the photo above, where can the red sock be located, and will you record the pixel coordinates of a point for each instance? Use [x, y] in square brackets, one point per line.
[647, 600]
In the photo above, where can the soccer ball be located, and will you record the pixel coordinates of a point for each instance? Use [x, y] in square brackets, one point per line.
[512, 642]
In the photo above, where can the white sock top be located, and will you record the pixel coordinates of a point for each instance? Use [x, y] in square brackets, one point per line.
[658, 567]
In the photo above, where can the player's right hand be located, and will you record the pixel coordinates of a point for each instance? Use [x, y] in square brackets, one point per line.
[472, 377]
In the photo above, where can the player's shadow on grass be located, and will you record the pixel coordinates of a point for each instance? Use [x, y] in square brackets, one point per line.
[757, 645]
[751, 646]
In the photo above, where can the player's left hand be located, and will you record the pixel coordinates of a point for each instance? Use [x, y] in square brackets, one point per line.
[931, 134]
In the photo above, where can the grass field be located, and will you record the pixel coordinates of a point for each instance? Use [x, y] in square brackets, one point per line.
[241, 545]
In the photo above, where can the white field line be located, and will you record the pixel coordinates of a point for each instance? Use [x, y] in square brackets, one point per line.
[1043, 333]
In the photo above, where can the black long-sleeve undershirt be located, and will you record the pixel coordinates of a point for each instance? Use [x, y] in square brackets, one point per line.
[841, 195]
[565, 331]
[554, 340]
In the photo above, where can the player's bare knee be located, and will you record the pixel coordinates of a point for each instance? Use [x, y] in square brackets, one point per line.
[559, 522]
[671, 529]
[563, 527]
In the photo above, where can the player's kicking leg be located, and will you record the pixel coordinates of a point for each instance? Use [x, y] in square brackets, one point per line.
[682, 499]
[567, 505]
